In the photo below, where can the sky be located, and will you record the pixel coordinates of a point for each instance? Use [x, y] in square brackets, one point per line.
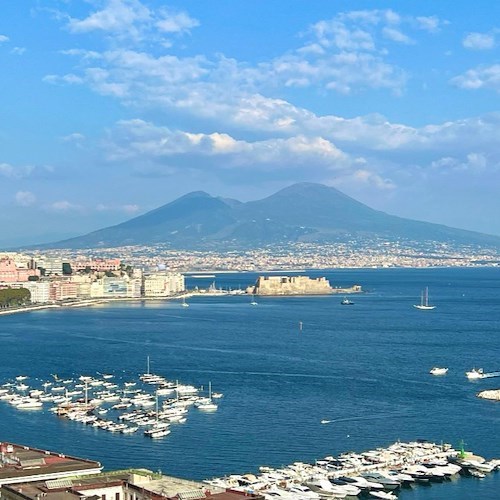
[110, 108]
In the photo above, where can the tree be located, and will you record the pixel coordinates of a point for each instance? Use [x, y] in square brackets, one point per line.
[11, 297]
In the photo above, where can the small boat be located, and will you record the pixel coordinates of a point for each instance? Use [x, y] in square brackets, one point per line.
[325, 421]
[475, 374]
[476, 473]
[424, 301]
[347, 302]
[254, 302]
[438, 371]
[184, 303]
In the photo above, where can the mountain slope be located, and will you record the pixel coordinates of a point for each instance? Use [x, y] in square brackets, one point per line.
[301, 212]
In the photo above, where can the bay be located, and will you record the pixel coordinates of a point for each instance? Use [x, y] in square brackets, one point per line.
[363, 367]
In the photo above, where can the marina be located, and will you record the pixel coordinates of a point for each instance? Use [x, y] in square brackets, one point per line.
[379, 473]
[100, 403]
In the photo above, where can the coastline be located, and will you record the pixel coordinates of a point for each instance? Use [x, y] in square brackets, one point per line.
[94, 302]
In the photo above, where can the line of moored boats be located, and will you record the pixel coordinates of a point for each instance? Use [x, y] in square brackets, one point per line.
[150, 404]
[379, 473]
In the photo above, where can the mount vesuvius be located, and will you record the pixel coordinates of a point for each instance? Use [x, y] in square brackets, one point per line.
[302, 212]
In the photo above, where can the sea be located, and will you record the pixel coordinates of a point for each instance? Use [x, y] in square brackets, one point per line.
[283, 366]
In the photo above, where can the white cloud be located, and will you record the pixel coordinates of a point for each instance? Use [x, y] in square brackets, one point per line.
[397, 36]
[70, 79]
[432, 24]
[19, 51]
[479, 41]
[4, 38]
[118, 16]
[172, 22]
[481, 77]
[12, 172]
[25, 198]
[64, 206]
[132, 20]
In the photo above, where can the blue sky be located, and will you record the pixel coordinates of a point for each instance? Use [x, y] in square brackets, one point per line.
[110, 108]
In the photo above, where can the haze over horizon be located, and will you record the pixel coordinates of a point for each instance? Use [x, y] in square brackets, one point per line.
[112, 108]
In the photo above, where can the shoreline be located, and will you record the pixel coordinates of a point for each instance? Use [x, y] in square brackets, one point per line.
[99, 301]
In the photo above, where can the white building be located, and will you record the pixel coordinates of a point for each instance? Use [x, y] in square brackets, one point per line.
[39, 290]
[163, 284]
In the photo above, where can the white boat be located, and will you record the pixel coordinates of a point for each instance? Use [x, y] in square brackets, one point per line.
[438, 371]
[325, 421]
[475, 374]
[424, 301]
[184, 303]
[208, 405]
[254, 302]
[347, 302]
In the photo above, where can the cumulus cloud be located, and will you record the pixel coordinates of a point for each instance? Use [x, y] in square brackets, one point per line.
[481, 77]
[4, 38]
[25, 198]
[479, 41]
[132, 20]
[140, 139]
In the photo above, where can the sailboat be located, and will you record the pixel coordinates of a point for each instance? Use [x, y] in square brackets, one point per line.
[254, 302]
[208, 404]
[184, 303]
[424, 301]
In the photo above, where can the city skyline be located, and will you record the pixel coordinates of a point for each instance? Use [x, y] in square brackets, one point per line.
[114, 107]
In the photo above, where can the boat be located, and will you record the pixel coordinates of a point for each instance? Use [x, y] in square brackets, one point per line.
[254, 302]
[208, 405]
[438, 371]
[325, 421]
[475, 374]
[347, 302]
[424, 301]
[476, 473]
[184, 303]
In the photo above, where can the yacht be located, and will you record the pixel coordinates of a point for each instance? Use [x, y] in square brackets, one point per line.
[438, 371]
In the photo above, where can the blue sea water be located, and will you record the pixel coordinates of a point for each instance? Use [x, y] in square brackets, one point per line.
[364, 367]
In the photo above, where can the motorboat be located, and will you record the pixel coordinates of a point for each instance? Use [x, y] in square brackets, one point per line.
[475, 374]
[383, 494]
[346, 302]
[386, 482]
[438, 371]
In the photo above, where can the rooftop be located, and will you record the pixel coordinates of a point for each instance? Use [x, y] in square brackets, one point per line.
[23, 463]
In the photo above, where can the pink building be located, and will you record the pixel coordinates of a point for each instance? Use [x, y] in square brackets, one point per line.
[10, 273]
[63, 290]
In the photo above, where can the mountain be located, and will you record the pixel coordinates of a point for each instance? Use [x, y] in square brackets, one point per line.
[301, 212]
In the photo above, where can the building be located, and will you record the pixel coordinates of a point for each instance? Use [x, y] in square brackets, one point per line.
[120, 485]
[39, 290]
[163, 284]
[22, 464]
[11, 272]
[99, 265]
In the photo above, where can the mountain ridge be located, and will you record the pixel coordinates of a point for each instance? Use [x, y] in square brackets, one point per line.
[304, 212]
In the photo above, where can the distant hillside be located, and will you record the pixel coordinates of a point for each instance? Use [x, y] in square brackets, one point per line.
[302, 212]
